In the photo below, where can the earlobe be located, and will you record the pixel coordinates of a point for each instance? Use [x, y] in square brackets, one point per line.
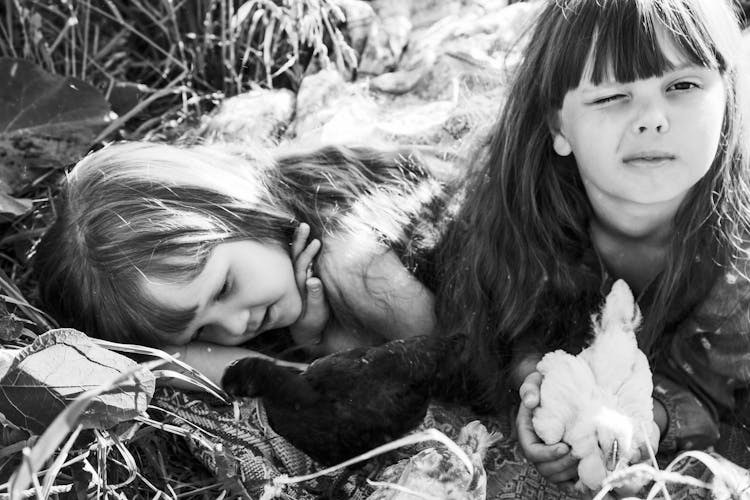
[561, 145]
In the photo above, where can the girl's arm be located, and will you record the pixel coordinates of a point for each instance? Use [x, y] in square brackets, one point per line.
[372, 284]
[707, 368]
[210, 359]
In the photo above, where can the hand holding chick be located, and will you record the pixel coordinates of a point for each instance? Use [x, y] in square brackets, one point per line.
[599, 402]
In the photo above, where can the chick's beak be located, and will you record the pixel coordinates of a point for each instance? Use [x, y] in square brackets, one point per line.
[613, 456]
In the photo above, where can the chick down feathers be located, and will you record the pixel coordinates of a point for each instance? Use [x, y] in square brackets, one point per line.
[599, 402]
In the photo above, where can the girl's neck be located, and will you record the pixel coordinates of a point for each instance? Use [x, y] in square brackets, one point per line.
[633, 246]
[635, 223]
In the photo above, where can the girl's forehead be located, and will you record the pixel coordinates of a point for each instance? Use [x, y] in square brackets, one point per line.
[600, 65]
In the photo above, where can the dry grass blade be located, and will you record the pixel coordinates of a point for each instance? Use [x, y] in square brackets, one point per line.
[56, 490]
[166, 427]
[137, 475]
[172, 88]
[13, 295]
[200, 380]
[190, 380]
[129, 464]
[420, 437]
[60, 427]
[62, 455]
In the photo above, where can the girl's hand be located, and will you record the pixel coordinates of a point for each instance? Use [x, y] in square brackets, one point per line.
[554, 462]
[654, 435]
[308, 329]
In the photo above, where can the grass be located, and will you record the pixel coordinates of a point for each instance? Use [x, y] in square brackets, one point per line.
[162, 64]
[181, 56]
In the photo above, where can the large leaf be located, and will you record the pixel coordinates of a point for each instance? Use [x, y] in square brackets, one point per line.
[46, 121]
[59, 366]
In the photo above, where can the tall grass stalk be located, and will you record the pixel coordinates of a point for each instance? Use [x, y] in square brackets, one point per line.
[200, 48]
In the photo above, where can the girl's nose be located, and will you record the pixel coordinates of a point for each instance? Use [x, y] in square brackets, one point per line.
[651, 116]
[235, 321]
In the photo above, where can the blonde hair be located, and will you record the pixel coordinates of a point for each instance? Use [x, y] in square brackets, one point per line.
[135, 210]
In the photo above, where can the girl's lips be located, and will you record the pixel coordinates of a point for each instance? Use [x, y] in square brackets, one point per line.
[649, 156]
[649, 162]
[267, 321]
[252, 331]
[648, 159]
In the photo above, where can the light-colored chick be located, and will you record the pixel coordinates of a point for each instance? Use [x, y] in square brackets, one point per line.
[599, 402]
[437, 472]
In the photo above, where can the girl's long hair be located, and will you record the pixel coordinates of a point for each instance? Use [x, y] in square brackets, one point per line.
[521, 236]
[135, 211]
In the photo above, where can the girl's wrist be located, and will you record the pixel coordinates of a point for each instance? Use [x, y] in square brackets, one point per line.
[661, 417]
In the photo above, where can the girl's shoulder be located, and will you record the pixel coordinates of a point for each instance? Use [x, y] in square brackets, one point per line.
[725, 305]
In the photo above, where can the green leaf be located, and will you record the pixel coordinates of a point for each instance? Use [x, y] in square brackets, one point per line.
[46, 121]
[37, 102]
[58, 367]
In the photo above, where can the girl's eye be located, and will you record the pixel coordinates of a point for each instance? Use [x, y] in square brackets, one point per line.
[609, 98]
[225, 289]
[684, 86]
[197, 334]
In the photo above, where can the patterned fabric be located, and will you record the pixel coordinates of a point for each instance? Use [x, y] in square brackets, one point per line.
[704, 378]
[241, 445]
[701, 379]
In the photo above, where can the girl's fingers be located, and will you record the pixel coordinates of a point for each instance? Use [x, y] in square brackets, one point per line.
[308, 329]
[562, 469]
[533, 447]
[540, 453]
[300, 239]
[302, 266]
[529, 390]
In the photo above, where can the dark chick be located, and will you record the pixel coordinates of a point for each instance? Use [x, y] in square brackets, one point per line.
[349, 402]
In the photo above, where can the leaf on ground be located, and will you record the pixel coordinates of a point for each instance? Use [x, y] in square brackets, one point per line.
[14, 206]
[61, 365]
[46, 120]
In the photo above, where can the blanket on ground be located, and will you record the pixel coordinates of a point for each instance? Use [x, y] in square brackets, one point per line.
[239, 446]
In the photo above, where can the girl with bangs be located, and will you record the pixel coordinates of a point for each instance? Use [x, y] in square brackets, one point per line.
[202, 249]
[620, 153]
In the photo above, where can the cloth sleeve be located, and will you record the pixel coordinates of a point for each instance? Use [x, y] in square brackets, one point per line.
[705, 376]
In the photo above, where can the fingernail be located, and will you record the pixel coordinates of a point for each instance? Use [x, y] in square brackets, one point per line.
[315, 287]
[561, 449]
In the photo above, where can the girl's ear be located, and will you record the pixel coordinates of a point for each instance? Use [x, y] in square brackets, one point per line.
[559, 143]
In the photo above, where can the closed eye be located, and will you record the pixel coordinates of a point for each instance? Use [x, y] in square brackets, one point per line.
[609, 98]
[224, 292]
[196, 335]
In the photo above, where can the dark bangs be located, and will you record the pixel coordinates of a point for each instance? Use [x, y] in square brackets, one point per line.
[622, 40]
